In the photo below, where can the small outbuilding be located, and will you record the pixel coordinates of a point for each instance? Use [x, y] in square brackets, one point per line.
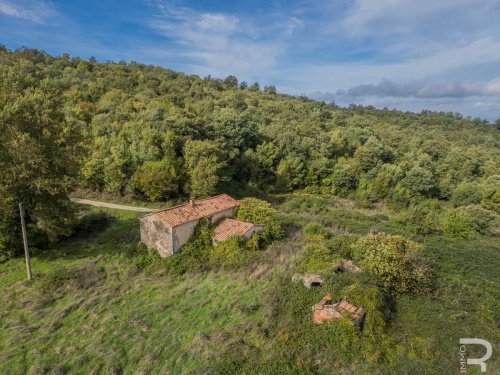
[230, 227]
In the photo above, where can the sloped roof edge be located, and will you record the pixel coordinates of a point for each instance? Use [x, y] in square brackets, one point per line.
[185, 213]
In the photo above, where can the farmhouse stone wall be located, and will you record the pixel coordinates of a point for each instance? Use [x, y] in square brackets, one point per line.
[230, 212]
[156, 234]
[182, 234]
[255, 228]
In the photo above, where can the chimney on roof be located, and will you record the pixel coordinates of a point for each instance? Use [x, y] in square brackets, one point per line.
[191, 202]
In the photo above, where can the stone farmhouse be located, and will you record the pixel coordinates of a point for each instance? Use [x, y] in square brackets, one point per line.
[168, 230]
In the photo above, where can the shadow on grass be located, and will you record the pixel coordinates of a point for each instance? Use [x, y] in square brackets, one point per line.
[119, 236]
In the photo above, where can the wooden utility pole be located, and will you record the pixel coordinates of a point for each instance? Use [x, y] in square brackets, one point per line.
[25, 240]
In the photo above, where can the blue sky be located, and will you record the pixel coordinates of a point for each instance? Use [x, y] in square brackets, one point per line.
[406, 54]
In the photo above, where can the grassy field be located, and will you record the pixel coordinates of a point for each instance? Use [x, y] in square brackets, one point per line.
[92, 310]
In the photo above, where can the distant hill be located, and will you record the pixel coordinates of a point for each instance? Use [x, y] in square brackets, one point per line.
[165, 134]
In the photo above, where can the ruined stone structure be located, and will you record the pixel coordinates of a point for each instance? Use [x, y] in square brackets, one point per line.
[326, 310]
[168, 230]
[308, 280]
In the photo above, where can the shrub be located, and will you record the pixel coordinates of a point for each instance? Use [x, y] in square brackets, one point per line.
[466, 193]
[491, 194]
[190, 259]
[290, 173]
[396, 261]
[312, 204]
[80, 276]
[316, 258]
[419, 180]
[91, 222]
[457, 223]
[315, 231]
[420, 219]
[482, 219]
[260, 212]
[230, 253]
[145, 258]
[341, 245]
[345, 177]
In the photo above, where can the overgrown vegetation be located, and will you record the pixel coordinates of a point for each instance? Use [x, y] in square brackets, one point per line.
[257, 211]
[200, 254]
[416, 207]
[457, 223]
[395, 260]
[130, 129]
[38, 159]
[102, 304]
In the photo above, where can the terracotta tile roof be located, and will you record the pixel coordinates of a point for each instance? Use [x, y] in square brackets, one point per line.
[185, 213]
[230, 227]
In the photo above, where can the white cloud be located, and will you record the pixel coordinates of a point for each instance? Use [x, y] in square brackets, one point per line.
[460, 63]
[35, 11]
[293, 24]
[221, 44]
[390, 17]
[217, 23]
[424, 89]
[406, 39]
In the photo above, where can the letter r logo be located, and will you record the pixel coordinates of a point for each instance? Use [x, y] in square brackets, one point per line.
[480, 361]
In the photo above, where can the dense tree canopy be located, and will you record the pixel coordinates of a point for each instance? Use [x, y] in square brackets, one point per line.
[160, 133]
[39, 158]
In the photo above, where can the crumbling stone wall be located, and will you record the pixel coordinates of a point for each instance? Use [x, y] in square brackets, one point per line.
[157, 235]
[230, 212]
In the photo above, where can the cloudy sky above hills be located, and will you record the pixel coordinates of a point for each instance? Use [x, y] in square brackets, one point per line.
[439, 55]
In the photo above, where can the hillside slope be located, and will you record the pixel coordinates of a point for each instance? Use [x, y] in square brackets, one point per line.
[142, 123]
[94, 307]
[144, 132]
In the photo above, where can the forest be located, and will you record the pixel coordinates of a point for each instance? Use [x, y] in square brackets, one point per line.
[130, 129]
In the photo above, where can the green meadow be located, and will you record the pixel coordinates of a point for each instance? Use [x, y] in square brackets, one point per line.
[94, 308]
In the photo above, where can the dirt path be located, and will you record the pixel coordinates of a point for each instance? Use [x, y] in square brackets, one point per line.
[111, 205]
